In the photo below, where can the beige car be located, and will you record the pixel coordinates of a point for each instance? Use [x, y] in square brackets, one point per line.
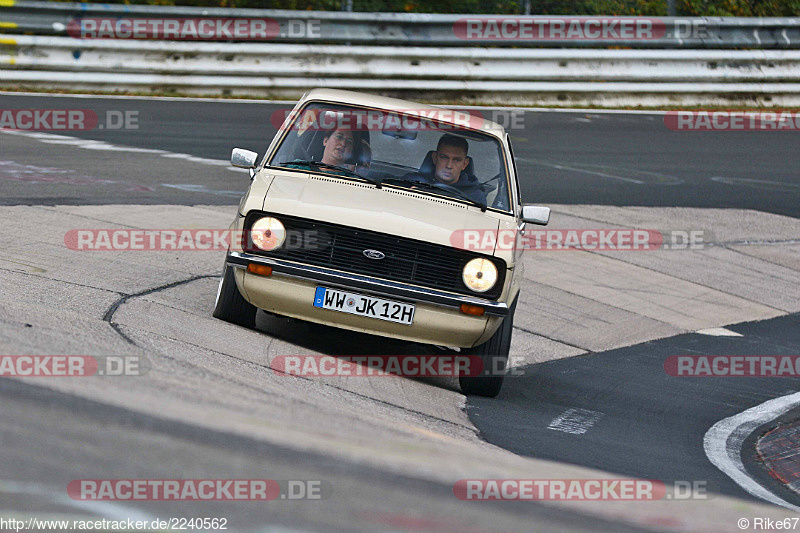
[383, 216]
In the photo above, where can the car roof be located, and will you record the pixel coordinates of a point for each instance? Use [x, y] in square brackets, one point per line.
[438, 113]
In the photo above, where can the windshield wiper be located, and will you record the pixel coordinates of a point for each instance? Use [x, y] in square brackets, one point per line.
[321, 165]
[432, 186]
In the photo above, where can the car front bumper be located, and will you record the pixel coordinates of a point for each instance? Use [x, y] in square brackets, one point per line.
[438, 319]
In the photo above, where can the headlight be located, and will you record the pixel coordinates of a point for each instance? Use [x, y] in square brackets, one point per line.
[268, 233]
[480, 275]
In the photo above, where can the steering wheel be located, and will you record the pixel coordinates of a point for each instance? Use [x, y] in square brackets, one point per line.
[450, 188]
[444, 187]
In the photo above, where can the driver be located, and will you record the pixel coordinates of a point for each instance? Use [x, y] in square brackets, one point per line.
[450, 162]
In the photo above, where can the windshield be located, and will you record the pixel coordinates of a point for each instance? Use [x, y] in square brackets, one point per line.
[388, 149]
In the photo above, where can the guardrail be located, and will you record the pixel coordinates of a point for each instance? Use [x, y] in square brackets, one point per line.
[467, 75]
[413, 29]
[420, 56]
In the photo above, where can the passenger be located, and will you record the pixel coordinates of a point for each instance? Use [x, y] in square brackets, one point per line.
[338, 147]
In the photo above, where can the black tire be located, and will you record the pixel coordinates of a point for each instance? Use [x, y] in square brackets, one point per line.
[231, 305]
[494, 354]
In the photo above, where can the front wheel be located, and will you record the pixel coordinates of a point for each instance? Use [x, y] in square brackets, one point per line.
[231, 305]
[494, 355]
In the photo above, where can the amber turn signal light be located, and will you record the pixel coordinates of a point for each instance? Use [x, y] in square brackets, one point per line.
[261, 270]
[475, 310]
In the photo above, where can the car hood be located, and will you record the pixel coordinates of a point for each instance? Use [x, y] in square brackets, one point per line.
[387, 210]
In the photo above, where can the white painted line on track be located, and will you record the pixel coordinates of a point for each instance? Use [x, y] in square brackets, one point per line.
[201, 188]
[719, 332]
[114, 511]
[723, 444]
[90, 144]
[575, 421]
[584, 171]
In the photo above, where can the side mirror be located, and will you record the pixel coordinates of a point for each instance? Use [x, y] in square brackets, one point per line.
[536, 214]
[243, 158]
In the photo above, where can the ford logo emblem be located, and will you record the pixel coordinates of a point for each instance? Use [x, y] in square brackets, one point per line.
[373, 254]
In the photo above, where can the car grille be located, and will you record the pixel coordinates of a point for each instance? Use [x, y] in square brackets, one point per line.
[406, 260]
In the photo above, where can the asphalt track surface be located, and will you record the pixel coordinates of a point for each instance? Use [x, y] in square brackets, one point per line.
[563, 157]
[70, 436]
[652, 424]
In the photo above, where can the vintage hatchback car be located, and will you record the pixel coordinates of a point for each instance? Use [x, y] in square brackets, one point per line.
[356, 218]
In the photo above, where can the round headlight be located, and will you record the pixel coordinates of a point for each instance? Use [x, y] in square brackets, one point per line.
[480, 275]
[268, 233]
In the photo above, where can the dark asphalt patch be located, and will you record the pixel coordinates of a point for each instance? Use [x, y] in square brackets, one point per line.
[648, 424]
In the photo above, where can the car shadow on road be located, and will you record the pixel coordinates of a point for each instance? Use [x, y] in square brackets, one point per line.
[340, 342]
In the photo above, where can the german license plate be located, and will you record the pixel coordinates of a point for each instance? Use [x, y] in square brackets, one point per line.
[361, 305]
